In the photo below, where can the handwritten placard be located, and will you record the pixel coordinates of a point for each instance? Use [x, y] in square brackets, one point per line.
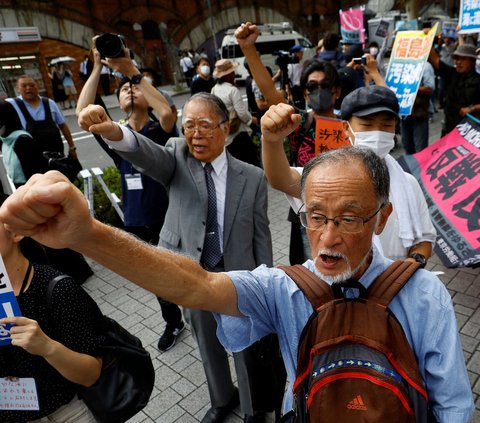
[329, 134]
[8, 304]
[18, 394]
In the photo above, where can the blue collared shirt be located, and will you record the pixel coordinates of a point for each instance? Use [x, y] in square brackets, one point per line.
[272, 303]
[39, 112]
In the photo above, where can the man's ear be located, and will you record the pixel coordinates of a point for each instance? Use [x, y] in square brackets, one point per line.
[346, 129]
[226, 128]
[383, 218]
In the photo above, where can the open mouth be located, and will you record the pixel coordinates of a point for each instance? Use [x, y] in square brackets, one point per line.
[329, 259]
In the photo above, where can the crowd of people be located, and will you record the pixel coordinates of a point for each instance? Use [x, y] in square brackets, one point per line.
[202, 199]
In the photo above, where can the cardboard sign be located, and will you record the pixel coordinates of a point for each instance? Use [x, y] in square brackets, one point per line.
[18, 394]
[329, 135]
[8, 304]
[404, 74]
[449, 173]
[382, 29]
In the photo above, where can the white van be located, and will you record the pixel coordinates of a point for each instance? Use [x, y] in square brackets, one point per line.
[273, 38]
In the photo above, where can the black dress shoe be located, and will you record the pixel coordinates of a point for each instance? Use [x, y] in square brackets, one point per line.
[218, 414]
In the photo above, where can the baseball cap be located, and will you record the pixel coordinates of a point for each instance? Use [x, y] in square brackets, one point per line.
[296, 48]
[466, 50]
[366, 101]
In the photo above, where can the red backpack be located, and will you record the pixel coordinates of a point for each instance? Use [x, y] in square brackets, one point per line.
[355, 363]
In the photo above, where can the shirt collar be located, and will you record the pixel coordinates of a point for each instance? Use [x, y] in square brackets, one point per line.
[219, 163]
[378, 265]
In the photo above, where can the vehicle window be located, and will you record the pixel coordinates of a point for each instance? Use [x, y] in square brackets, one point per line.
[268, 47]
[305, 43]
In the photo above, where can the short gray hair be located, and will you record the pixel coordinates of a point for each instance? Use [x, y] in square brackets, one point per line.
[373, 165]
[216, 102]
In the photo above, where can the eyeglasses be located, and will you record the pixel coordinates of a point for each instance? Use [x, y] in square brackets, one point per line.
[203, 126]
[345, 224]
[314, 85]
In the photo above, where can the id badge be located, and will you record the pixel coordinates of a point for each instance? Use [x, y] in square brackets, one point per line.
[134, 181]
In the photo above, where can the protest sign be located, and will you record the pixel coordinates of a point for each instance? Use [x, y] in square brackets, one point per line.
[18, 394]
[469, 20]
[382, 29]
[329, 134]
[449, 29]
[409, 54]
[351, 26]
[449, 173]
[8, 304]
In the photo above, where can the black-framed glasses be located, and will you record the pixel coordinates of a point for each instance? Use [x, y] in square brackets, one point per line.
[203, 126]
[315, 85]
[345, 224]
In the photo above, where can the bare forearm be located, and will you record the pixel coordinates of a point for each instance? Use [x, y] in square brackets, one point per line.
[378, 79]
[278, 171]
[262, 77]
[67, 134]
[78, 368]
[159, 104]
[89, 90]
[173, 277]
[424, 248]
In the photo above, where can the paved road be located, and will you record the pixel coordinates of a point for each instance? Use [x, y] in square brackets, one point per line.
[180, 393]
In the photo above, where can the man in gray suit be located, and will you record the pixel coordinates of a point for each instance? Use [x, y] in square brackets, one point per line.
[241, 229]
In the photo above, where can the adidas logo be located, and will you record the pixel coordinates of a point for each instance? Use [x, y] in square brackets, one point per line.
[357, 404]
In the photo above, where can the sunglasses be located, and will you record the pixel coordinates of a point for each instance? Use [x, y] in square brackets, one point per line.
[314, 85]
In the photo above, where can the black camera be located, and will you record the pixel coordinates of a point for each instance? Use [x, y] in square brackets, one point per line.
[284, 58]
[360, 60]
[110, 45]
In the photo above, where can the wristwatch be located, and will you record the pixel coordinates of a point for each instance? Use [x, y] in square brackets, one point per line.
[135, 79]
[419, 258]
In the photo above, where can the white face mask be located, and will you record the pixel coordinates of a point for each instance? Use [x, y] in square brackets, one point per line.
[477, 65]
[148, 79]
[380, 142]
[205, 70]
[373, 51]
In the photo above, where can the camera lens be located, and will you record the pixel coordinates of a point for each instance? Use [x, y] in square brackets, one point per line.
[110, 45]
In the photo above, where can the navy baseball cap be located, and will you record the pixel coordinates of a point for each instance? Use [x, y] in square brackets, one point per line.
[296, 48]
[366, 101]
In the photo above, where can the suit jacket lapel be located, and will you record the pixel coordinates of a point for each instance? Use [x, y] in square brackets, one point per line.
[196, 170]
[235, 185]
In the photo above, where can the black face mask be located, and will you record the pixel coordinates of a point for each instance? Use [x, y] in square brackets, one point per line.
[321, 100]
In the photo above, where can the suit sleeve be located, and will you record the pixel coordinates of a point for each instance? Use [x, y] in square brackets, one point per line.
[153, 160]
[262, 239]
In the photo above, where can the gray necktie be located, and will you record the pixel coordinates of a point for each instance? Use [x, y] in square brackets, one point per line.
[211, 254]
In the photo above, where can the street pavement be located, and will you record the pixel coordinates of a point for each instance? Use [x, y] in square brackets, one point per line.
[181, 394]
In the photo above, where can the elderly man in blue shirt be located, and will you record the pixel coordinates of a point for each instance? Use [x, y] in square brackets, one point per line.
[252, 304]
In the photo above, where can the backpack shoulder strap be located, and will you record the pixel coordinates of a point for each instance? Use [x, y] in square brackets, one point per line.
[391, 281]
[26, 114]
[48, 110]
[51, 286]
[317, 291]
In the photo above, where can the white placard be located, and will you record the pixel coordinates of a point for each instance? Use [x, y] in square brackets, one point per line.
[18, 394]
